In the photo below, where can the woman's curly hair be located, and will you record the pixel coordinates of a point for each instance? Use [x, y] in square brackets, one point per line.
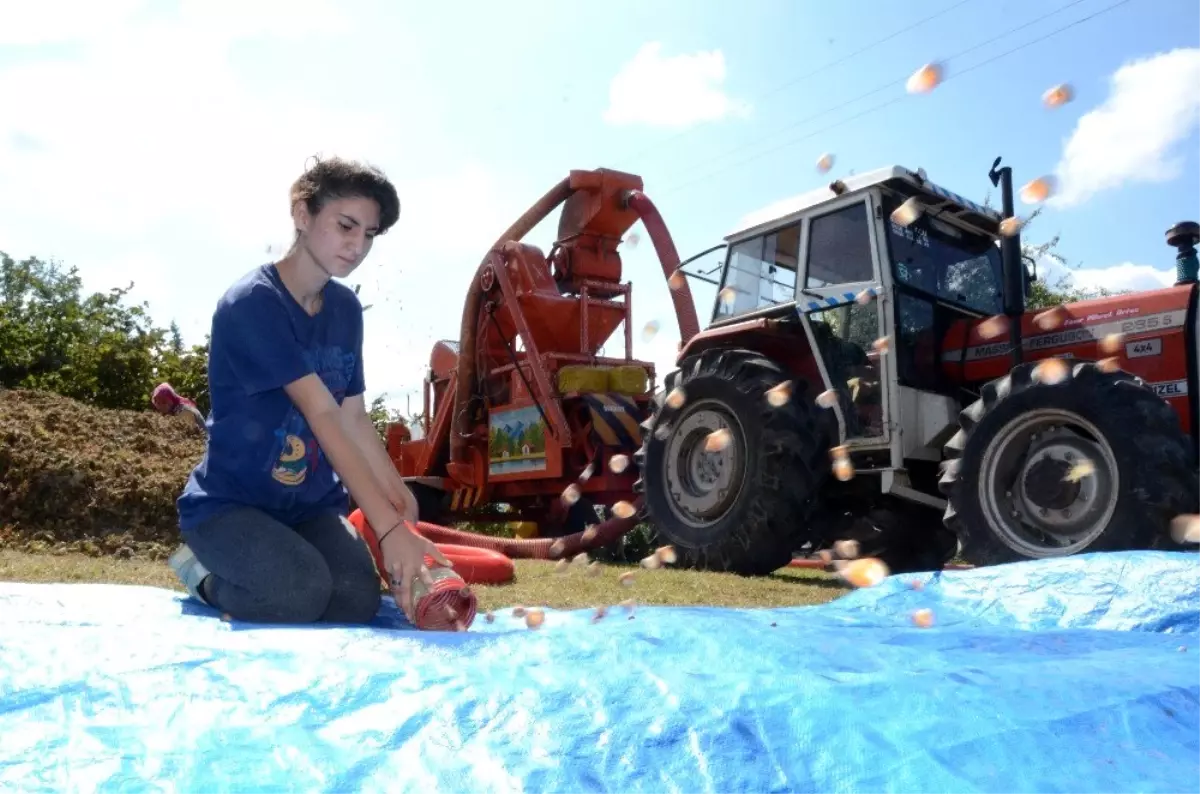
[337, 178]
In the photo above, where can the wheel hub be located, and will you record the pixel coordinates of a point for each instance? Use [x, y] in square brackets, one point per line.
[1046, 483]
[703, 484]
[1049, 483]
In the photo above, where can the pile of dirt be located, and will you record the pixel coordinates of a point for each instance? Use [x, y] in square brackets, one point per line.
[78, 478]
[74, 477]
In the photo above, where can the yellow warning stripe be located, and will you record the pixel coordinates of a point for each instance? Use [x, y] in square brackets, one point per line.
[607, 435]
[463, 498]
[615, 420]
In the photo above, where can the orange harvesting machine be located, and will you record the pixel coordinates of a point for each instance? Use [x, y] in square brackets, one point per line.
[526, 403]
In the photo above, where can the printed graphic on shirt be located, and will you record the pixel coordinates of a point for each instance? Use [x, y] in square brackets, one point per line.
[292, 467]
[297, 454]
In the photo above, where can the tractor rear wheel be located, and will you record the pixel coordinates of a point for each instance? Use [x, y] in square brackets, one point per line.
[740, 508]
[1096, 462]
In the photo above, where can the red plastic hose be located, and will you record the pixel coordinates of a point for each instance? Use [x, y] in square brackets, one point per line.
[594, 537]
[474, 564]
[668, 257]
[507, 549]
[479, 566]
[447, 606]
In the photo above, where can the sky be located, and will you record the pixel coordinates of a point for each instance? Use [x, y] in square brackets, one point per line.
[154, 142]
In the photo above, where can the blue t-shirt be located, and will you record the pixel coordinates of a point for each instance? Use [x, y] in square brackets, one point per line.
[261, 452]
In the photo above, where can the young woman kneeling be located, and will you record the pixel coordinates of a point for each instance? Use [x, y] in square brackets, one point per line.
[263, 515]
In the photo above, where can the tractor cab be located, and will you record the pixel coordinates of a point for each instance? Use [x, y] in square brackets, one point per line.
[876, 293]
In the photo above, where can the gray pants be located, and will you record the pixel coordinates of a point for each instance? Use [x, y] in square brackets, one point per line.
[263, 571]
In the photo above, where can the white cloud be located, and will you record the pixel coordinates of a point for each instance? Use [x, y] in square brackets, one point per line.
[233, 19]
[159, 154]
[141, 145]
[1123, 276]
[61, 21]
[671, 91]
[1153, 105]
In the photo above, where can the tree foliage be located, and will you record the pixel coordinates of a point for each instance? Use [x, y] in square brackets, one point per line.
[1043, 295]
[98, 348]
[382, 416]
[93, 348]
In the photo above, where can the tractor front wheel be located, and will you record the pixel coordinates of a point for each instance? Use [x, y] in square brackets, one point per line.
[738, 504]
[1093, 462]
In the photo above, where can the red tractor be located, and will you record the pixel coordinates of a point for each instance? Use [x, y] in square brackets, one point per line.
[871, 374]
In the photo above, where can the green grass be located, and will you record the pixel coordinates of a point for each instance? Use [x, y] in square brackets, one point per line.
[536, 583]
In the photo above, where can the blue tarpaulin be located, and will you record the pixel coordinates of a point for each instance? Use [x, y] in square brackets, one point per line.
[1074, 675]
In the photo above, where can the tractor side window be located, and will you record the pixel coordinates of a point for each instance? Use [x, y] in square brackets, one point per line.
[839, 248]
[974, 282]
[760, 272]
[915, 348]
[940, 259]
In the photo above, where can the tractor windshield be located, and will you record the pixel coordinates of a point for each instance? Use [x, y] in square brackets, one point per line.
[759, 272]
[944, 260]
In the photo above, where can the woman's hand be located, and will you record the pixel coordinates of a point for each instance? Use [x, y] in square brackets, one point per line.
[404, 553]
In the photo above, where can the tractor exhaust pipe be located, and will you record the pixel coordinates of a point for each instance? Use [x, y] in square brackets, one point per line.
[1013, 269]
[1183, 237]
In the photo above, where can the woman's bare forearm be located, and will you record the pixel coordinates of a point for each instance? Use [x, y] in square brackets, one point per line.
[337, 439]
[355, 468]
[380, 461]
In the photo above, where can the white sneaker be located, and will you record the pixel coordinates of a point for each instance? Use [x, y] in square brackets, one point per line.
[189, 570]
